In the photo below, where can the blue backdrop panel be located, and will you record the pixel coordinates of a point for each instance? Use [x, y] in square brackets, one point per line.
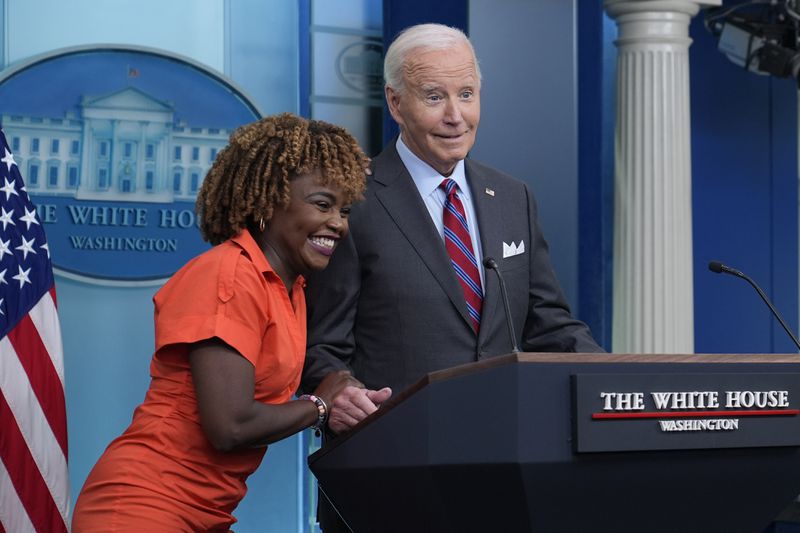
[744, 171]
[597, 59]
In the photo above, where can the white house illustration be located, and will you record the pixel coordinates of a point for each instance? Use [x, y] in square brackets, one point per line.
[125, 146]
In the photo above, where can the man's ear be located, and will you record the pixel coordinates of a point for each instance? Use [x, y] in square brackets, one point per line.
[393, 102]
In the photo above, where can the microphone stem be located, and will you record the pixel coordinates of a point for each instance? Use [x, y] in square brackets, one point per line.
[774, 311]
[511, 334]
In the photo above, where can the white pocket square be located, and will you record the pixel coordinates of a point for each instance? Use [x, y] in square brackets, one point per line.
[512, 249]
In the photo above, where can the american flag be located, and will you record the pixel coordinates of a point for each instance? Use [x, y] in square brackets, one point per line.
[34, 487]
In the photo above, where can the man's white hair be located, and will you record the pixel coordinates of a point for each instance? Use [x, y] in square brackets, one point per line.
[421, 38]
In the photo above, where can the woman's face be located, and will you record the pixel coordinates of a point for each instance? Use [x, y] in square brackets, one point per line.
[305, 234]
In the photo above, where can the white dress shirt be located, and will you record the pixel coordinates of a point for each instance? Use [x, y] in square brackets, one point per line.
[427, 181]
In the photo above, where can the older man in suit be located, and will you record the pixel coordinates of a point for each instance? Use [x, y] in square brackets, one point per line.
[406, 293]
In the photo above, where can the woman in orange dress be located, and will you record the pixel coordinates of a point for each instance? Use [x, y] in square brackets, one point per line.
[231, 334]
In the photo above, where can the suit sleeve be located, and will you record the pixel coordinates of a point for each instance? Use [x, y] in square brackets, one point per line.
[331, 296]
[549, 325]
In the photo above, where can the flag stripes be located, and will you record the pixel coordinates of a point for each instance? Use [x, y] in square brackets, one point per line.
[45, 318]
[34, 493]
[40, 447]
[9, 500]
[42, 376]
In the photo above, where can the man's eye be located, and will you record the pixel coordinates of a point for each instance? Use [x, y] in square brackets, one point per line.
[434, 97]
[466, 95]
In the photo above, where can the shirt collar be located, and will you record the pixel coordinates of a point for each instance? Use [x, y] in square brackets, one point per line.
[425, 177]
[247, 243]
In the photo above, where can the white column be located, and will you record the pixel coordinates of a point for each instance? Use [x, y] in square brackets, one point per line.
[653, 293]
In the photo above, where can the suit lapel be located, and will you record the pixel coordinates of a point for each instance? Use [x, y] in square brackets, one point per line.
[487, 210]
[400, 197]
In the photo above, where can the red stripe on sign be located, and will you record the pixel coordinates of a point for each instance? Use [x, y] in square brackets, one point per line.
[695, 414]
[25, 475]
[43, 377]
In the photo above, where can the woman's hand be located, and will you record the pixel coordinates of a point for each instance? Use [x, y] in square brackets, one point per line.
[348, 401]
[333, 384]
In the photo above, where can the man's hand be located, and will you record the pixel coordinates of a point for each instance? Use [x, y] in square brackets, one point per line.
[353, 404]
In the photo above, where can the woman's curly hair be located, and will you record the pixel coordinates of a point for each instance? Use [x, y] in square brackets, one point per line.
[250, 177]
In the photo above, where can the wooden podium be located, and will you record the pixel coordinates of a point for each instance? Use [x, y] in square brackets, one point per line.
[494, 447]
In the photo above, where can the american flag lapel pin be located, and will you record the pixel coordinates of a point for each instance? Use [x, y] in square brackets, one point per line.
[489, 191]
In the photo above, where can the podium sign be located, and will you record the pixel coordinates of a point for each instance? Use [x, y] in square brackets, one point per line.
[626, 412]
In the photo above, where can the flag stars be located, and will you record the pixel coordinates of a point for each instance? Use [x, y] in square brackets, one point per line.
[26, 247]
[8, 159]
[22, 276]
[9, 189]
[2, 313]
[29, 218]
[46, 249]
[5, 218]
[3, 277]
[4, 248]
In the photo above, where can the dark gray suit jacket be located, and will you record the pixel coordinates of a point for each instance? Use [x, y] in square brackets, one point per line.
[389, 305]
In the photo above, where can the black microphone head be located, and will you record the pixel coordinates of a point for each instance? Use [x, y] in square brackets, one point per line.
[715, 266]
[489, 262]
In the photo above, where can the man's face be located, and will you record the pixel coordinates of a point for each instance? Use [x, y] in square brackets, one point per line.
[439, 109]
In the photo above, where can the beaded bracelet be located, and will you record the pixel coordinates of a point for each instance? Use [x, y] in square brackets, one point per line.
[322, 417]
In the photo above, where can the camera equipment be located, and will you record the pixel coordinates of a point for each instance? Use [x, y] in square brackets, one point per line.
[762, 36]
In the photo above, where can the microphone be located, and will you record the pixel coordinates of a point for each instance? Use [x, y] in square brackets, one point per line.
[491, 264]
[717, 267]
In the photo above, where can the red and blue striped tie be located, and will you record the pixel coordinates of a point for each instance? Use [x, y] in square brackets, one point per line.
[458, 243]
